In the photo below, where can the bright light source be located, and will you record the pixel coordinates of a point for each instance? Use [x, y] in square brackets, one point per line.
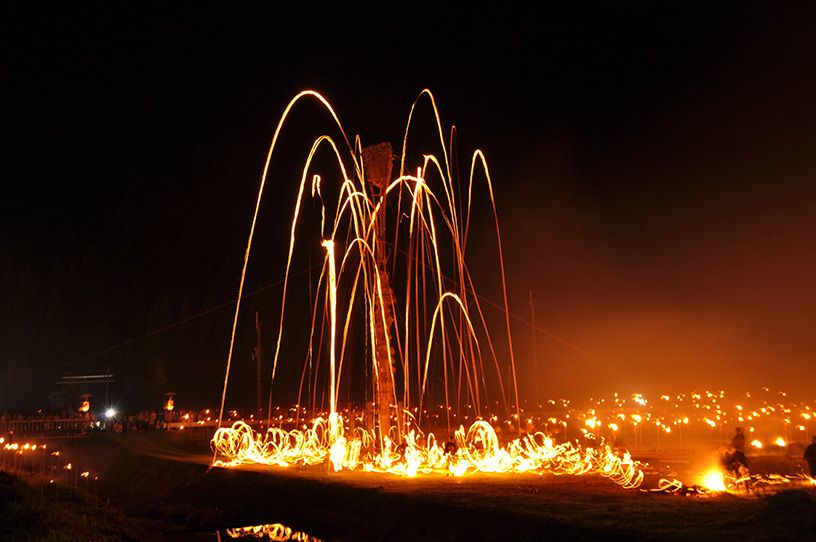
[110, 413]
[714, 481]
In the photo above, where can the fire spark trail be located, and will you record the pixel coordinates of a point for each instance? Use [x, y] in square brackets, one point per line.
[395, 265]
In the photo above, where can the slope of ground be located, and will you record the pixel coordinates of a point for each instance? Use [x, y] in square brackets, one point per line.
[165, 478]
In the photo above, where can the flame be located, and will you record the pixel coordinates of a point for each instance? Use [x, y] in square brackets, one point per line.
[713, 480]
[478, 450]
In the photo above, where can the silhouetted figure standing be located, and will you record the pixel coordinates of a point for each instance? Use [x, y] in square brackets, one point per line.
[738, 443]
[810, 456]
[735, 460]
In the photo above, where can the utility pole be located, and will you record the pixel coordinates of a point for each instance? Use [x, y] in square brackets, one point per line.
[535, 353]
[257, 355]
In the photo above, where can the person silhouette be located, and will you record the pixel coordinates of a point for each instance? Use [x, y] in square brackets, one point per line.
[810, 456]
[738, 443]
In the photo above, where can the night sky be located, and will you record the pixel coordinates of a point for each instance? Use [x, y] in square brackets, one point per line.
[654, 175]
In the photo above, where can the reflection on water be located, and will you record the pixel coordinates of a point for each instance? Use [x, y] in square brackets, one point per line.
[270, 531]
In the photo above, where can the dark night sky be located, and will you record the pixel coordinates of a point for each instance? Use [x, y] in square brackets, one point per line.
[654, 176]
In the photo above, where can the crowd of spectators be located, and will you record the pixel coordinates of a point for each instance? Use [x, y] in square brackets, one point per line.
[151, 420]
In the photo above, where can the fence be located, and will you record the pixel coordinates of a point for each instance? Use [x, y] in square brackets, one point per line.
[45, 426]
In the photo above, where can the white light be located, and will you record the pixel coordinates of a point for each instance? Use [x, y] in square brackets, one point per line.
[110, 413]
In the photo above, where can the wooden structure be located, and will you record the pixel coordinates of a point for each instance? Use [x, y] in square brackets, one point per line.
[377, 164]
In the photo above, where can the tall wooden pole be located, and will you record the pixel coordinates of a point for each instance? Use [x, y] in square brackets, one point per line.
[377, 161]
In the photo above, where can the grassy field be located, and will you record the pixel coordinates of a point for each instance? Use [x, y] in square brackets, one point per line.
[488, 507]
[163, 481]
[58, 515]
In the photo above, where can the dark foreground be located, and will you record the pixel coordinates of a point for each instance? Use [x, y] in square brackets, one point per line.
[160, 488]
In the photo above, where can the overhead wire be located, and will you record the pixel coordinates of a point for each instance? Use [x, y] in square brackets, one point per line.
[271, 285]
[189, 319]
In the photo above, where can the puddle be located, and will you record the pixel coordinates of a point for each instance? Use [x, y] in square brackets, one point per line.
[270, 531]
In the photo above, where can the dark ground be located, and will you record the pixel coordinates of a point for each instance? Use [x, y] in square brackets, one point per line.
[56, 514]
[169, 493]
[165, 491]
